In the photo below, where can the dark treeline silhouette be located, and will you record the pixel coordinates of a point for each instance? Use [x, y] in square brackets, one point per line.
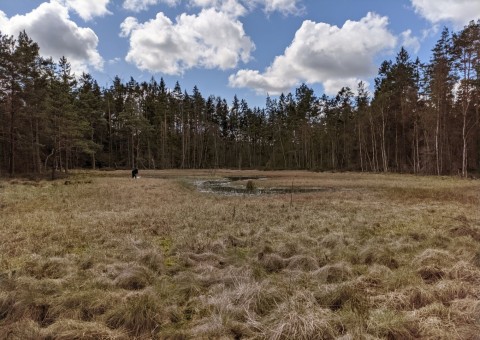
[422, 118]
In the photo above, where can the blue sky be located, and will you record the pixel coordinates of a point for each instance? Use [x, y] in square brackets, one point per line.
[244, 47]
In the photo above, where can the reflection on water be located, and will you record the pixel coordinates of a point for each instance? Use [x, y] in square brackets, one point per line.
[231, 186]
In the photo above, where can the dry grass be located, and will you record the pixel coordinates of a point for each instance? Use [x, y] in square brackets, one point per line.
[102, 256]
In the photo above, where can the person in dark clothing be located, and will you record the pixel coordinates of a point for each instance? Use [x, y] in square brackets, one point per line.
[134, 172]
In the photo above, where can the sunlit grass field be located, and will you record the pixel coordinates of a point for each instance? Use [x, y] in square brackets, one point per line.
[369, 256]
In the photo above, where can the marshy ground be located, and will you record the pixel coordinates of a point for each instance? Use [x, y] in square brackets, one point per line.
[366, 256]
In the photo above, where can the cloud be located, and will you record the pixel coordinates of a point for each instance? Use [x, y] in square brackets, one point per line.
[283, 6]
[459, 12]
[231, 7]
[241, 7]
[234, 8]
[410, 42]
[88, 9]
[332, 86]
[50, 26]
[326, 54]
[114, 61]
[210, 40]
[3, 19]
[142, 5]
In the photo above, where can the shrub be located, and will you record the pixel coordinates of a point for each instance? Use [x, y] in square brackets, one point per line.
[250, 186]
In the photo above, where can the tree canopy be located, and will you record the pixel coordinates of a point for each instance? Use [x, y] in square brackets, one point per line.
[421, 118]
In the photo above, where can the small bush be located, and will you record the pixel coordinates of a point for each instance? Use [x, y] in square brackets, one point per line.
[250, 186]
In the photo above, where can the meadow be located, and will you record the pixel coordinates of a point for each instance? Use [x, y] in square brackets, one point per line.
[99, 255]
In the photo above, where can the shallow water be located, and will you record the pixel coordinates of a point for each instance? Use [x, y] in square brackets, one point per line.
[228, 186]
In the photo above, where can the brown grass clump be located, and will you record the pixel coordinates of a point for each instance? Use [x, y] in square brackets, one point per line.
[300, 317]
[133, 278]
[138, 314]
[431, 274]
[387, 324]
[465, 272]
[334, 273]
[418, 297]
[6, 304]
[466, 316]
[446, 291]
[303, 263]
[85, 305]
[78, 330]
[22, 329]
[342, 297]
[218, 327]
[464, 228]
[210, 258]
[52, 268]
[432, 264]
[433, 257]
[259, 298]
[153, 260]
[334, 240]
[272, 263]
[383, 255]
[468, 309]
[376, 276]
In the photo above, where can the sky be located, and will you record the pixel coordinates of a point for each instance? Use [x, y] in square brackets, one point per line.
[248, 48]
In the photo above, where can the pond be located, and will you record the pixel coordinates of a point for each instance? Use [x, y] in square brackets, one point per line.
[239, 186]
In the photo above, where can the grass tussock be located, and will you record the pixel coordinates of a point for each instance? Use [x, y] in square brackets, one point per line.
[388, 324]
[76, 330]
[138, 314]
[373, 256]
[133, 278]
[300, 317]
[334, 273]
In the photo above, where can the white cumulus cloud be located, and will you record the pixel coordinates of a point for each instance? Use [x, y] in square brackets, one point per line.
[284, 6]
[322, 53]
[241, 7]
[459, 12]
[142, 5]
[49, 25]
[410, 42]
[234, 8]
[88, 9]
[210, 40]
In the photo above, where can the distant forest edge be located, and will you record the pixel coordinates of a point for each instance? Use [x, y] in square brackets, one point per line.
[421, 118]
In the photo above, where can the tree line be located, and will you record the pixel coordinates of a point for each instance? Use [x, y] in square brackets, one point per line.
[422, 117]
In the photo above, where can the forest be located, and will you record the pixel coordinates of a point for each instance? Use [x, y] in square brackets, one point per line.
[422, 118]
